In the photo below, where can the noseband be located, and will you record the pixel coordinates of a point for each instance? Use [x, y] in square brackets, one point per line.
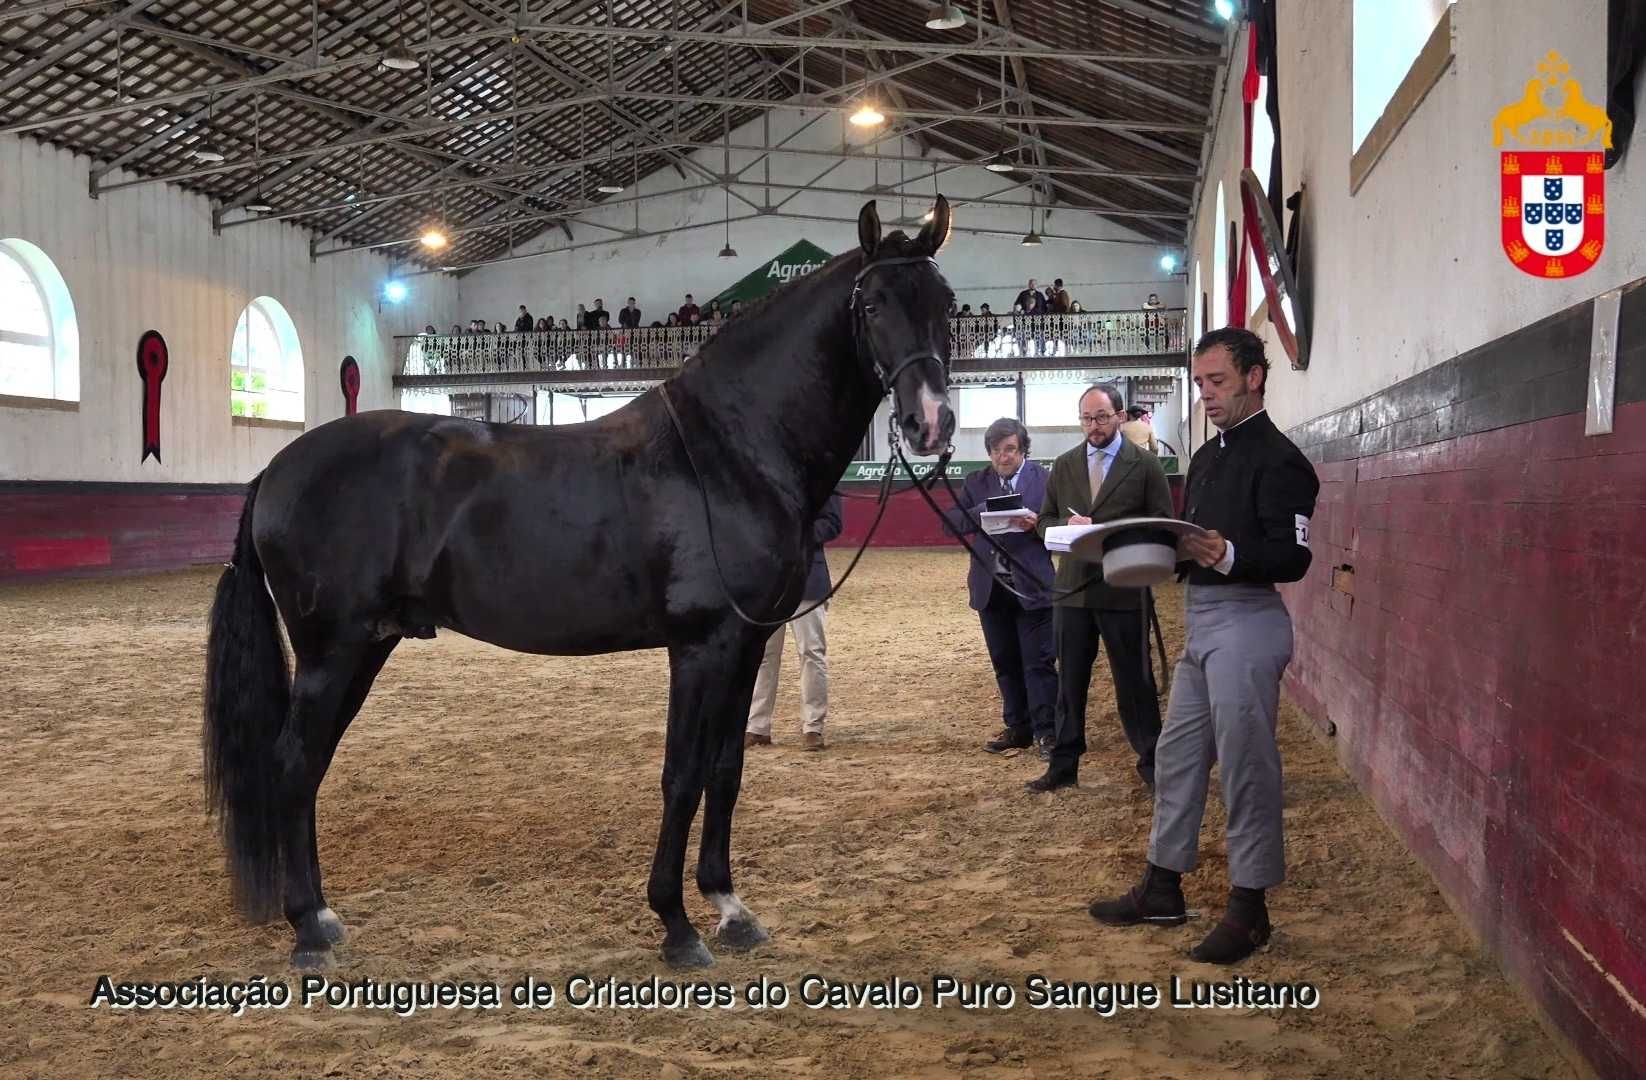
[887, 381]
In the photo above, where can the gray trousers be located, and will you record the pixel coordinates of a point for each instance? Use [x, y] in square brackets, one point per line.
[1225, 696]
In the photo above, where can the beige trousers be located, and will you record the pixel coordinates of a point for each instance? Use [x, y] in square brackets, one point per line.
[812, 643]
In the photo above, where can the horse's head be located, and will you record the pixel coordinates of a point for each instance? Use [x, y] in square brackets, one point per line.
[900, 314]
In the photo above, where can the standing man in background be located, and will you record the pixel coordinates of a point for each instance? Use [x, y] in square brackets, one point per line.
[1254, 492]
[810, 639]
[1016, 629]
[629, 317]
[1102, 479]
[1138, 430]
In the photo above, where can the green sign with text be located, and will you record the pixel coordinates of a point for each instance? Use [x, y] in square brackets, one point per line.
[873, 472]
[798, 261]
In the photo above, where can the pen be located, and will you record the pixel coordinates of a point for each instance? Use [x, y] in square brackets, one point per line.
[1072, 511]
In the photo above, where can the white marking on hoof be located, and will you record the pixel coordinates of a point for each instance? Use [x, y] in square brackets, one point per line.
[730, 907]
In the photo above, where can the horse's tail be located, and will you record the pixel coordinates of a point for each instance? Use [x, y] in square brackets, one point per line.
[248, 692]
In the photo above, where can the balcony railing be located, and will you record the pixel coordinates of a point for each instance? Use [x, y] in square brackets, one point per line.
[1087, 334]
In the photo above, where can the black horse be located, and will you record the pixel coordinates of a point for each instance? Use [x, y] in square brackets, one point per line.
[573, 540]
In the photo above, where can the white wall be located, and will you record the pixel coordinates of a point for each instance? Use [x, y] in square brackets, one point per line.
[146, 258]
[658, 271]
[1410, 271]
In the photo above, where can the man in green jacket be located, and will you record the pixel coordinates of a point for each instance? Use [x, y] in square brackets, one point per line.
[1104, 478]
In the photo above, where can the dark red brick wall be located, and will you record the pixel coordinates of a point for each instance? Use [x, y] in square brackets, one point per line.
[56, 530]
[1487, 677]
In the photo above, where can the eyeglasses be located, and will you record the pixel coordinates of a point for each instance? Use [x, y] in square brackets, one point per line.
[1005, 450]
[1099, 418]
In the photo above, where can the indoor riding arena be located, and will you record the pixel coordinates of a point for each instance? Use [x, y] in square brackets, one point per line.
[1030, 538]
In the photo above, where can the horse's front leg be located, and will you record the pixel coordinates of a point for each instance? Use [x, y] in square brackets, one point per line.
[705, 686]
[738, 928]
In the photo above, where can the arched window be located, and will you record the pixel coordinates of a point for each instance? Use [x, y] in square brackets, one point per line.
[1220, 266]
[266, 364]
[39, 337]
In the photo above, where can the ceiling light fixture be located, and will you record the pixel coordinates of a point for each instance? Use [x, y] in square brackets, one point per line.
[999, 163]
[401, 58]
[1225, 9]
[867, 115]
[945, 17]
[433, 239]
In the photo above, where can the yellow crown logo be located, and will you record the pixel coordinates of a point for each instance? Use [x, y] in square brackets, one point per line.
[1554, 268]
[1519, 252]
[1552, 112]
[1595, 206]
[1511, 165]
[1595, 164]
[1551, 166]
[1511, 207]
[1591, 250]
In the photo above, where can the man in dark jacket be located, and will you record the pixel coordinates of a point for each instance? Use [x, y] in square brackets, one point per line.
[523, 323]
[1104, 478]
[1014, 604]
[629, 317]
[1254, 492]
[1030, 301]
[596, 315]
[810, 640]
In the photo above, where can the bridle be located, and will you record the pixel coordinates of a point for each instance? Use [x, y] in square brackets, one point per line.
[894, 438]
[889, 380]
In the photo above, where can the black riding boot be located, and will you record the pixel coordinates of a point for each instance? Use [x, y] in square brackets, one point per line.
[1157, 899]
[1245, 929]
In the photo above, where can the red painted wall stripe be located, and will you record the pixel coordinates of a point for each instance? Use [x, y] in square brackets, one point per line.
[1487, 691]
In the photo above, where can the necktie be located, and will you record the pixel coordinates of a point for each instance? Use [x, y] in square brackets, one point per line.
[1094, 471]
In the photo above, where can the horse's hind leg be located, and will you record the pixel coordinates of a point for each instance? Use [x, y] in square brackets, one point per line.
[376, 655]
[738, 928]
[700, 696]
[326, 681]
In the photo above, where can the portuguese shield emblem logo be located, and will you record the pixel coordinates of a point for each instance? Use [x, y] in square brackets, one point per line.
[1553, 191]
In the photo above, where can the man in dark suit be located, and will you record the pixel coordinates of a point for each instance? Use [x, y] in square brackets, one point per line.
[629, 317]
[1104, 478]
[1016, 628]
[810, 639]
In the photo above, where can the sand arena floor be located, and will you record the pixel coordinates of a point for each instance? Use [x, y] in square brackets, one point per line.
[492, 815]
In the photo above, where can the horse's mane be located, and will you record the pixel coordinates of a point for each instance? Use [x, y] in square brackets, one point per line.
[779, 310]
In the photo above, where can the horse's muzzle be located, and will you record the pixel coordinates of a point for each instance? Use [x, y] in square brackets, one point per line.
[929, 430]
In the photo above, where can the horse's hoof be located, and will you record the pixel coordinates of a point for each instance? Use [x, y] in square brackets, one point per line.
[741, 934]
[693, 954]
[330, 927]
[313, 958]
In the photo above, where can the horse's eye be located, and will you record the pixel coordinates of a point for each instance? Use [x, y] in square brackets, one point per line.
[868, 309]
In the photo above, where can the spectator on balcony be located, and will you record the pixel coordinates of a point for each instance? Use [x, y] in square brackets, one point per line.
[599, 313]
[714, 309]
[1152, 303]
[629, 317]
[582, 318]
[965, 311]
[1137, 429]
[564, 325]
[737, 307]
[1029, 301]
[1058, 298]
[523, 321]
[688, 311]
[671, 322]
[456, 330]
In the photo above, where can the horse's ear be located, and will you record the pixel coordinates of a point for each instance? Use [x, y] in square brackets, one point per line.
[868, 229]
[935, 233]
